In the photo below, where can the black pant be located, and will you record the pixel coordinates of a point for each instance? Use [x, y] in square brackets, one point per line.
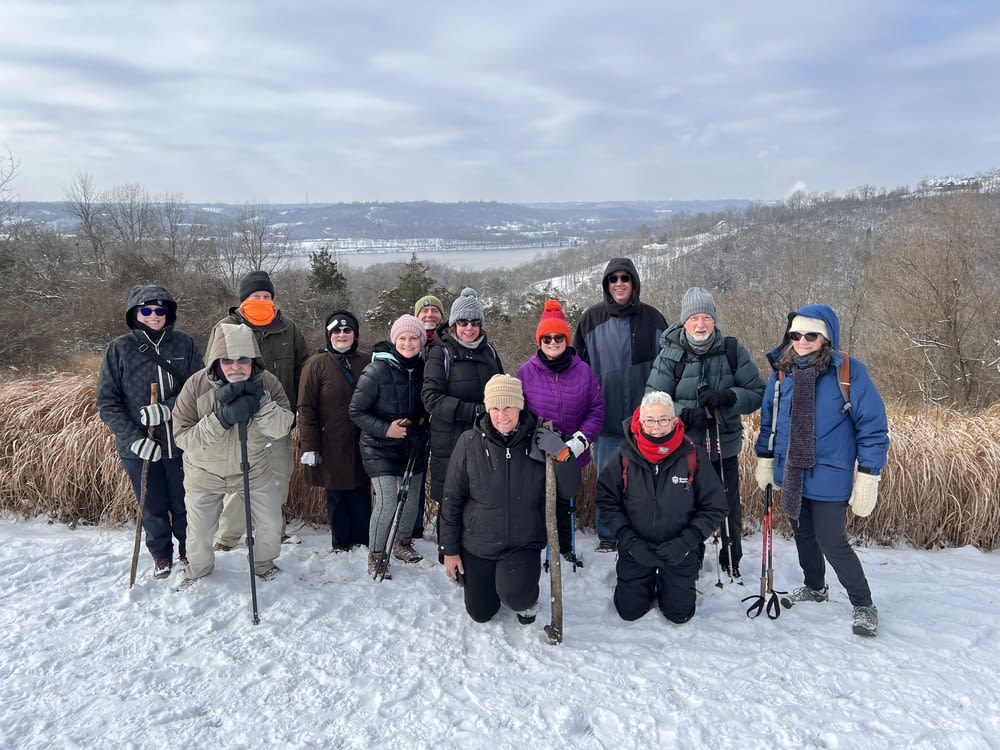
[511, 580]
[821, 531]
[164, 513]
[349, 512]
[671, 586]
[730, 469]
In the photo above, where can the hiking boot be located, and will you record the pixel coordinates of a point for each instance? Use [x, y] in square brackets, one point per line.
[607, 545]
[378, 564]
[403, 550]
[182, 560]
[341, 548]
[270, 573]
[162, 567]
[806, 594]
[865, 620]
[527, 616]
[220, 547]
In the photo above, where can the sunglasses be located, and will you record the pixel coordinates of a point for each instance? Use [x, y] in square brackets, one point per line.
[147, 311]
[622, 277]
[238, 361]
[463, 322]
[795, 336]
[341, 329]
[555, 338]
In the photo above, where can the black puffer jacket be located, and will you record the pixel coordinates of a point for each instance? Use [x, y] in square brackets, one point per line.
[386, 391]
[453, 395]
[494, 495]
[127, 373]
[658, 505]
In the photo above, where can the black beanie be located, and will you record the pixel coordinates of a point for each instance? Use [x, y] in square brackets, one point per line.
[255, 281]
[342, 318]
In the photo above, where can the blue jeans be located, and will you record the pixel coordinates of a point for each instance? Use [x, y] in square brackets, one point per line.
[603, 448]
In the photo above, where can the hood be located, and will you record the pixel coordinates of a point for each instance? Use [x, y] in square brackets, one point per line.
[141, 294]
[824, 313]
[620, 264]
[234, 341]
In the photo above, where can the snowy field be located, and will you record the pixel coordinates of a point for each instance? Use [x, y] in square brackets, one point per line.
[339, 661]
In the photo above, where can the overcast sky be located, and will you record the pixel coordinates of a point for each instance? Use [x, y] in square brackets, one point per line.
[550, 100]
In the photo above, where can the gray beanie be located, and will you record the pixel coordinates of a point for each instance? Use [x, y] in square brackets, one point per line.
[467, 307]
[697, 300]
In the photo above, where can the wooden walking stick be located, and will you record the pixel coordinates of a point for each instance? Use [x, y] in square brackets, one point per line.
[554, 630]
[154, 396]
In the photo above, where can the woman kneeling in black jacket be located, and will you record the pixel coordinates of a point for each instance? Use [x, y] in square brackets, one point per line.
[493, 510]
[661, 498]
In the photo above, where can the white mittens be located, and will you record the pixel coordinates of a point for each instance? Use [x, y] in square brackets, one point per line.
[764, 473]
[310, 458]
[865, 494]
[577, 444]
[146, 449]
[154, 414]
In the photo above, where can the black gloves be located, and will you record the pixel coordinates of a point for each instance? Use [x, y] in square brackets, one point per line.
[239, 409]
[720, 399]
[228, 392]
[696, 418]
[674, 551]
[638, 549]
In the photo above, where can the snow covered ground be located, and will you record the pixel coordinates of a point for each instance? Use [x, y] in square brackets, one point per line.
[339, 661]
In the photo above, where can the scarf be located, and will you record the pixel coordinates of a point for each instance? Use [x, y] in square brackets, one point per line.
[801, 440]
[654, 449]
[258, 312]
[700, 348]
[560, 363]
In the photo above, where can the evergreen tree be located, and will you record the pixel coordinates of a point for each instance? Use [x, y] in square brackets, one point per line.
[414, 282]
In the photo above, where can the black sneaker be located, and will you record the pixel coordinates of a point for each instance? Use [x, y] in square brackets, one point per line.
[162, 567]
[607, 545]
[527, 616]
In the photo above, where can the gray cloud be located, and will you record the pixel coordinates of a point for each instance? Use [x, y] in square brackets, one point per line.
[522, 101]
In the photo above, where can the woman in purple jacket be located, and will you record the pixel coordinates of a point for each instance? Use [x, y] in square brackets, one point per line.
[560, 386]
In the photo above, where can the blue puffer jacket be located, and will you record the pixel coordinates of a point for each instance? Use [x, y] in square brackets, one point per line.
[842, 438]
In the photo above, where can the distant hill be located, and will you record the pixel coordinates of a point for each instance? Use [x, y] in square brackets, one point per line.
[474, 222]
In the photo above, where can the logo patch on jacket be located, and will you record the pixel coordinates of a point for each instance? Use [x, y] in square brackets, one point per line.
[679, 480]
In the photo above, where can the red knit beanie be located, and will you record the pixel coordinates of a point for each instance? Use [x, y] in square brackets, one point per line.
[553, 321]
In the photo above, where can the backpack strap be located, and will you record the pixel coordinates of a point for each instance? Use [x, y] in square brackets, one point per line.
[447, 361]
[624, 473]
[149, 351]
[844, 380]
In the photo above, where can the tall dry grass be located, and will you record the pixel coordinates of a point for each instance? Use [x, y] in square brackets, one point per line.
[940, 487]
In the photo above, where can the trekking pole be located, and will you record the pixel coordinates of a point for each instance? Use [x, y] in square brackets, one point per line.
[577, 560]
[718, 560]
[722, 477]
[773, 602]
[154, 396]
[245, 468]
[382, 564]
[757, 603]
[554, 630]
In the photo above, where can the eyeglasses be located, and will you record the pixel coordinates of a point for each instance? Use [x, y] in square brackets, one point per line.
[147, 311]
[795, 336]
[622, 277]
[238, 361]
[464, 322]
[661, 422]
[555, 338]
[341, 329]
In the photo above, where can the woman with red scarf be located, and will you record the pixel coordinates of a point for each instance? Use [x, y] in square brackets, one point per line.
[660, 498]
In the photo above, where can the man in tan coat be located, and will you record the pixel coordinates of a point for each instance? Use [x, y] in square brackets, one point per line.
[233, 388]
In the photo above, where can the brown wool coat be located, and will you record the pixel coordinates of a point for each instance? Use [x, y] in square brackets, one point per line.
[324, 423]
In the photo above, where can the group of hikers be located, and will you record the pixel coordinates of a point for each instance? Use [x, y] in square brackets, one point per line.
[658, 408]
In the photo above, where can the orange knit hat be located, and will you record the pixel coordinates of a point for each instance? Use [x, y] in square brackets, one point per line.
[553, 321]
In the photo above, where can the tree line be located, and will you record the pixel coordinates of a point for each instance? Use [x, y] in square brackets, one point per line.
[913, 276]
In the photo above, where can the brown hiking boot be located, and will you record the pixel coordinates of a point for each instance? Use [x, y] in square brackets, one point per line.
[220, 547]
[403, 550]
[377, 564]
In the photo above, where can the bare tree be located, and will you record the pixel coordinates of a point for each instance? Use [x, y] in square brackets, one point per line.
[85, 205]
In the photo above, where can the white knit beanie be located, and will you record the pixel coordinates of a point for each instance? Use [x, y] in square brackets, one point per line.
[802, 324]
